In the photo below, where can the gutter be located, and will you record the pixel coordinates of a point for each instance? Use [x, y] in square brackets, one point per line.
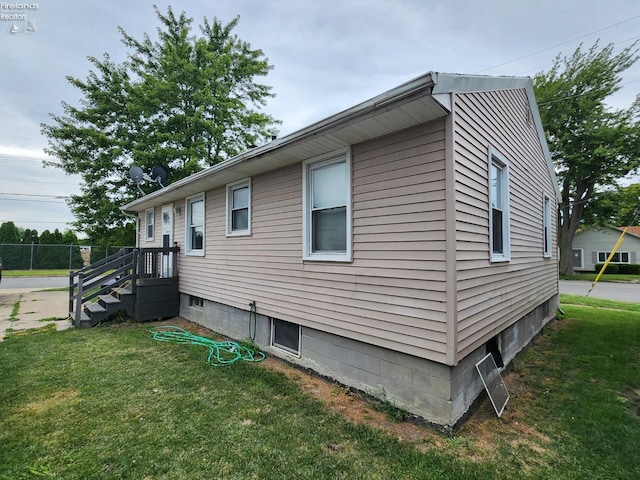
[386, 99]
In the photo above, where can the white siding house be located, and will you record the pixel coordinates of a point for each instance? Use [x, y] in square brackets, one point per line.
[389, 246]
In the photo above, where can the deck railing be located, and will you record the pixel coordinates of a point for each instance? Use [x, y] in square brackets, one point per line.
[128, 267]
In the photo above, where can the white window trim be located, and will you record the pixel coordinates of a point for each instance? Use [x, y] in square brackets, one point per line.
[148, 238]
[547, 243]
[307, 254]
[498, 158]
[245, 182]
[187, 227]
[606, 255]
[282, 348]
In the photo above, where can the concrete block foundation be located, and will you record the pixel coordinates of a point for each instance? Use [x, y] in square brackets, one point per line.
[440, 394]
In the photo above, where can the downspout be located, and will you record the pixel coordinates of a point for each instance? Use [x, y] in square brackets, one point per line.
[450, 237]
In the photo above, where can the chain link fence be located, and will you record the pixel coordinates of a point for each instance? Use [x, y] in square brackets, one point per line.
[36, 256]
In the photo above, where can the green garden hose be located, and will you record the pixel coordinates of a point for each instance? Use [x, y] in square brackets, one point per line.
[220, 353]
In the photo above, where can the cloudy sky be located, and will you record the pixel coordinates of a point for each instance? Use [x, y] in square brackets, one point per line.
[328, 55]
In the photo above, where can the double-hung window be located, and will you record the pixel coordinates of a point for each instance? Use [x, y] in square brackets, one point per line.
[195, 225]
[327, 209]
[499, 206]
[149, 216]
[239, 208]
[546, 226]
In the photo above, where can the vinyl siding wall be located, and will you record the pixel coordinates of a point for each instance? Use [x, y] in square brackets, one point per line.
[391, 295]
[492, 296]
[593, 241]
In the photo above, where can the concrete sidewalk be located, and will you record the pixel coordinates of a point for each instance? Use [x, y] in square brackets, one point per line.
[37, 309]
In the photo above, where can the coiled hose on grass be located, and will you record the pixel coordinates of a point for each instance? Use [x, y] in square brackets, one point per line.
[220, 353]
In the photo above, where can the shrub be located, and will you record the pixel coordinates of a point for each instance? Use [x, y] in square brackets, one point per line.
[629, 268]
[611, 268]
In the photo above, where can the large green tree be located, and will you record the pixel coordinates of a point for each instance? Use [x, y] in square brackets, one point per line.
[591, 145]
[614, 207]
[180, 101]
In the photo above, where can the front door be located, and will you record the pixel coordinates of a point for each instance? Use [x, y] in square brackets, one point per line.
[577, 258]
[167, 240]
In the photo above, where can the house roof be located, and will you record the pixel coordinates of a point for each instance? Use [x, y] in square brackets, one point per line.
[631, 230]
[421, 100]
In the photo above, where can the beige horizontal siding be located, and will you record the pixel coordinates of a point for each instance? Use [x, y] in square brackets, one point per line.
[492, 296]
[392, 294]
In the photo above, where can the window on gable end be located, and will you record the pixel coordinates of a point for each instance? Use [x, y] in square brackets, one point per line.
[546, 226]
[499, 207]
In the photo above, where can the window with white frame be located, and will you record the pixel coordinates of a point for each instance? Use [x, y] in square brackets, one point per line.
[546, 227]
[499, 202]
[239, 208]
[285, 336]
[618, 257]
[195, 225]
[149, 216]
[327, 209]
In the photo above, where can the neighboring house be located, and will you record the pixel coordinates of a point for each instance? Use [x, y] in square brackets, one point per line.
[593, 246]
[389, 247]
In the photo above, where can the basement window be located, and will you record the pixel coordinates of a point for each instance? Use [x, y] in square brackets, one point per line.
[493, 347]
[285, 336]
[196, 302]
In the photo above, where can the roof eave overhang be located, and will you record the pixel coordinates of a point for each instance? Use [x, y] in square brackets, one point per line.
[405, 106]
[421, 100]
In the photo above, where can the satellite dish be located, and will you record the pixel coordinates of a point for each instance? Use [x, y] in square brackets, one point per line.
[159, 174]
[137, 175]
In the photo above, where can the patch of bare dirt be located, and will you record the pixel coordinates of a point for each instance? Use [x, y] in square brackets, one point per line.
[632, 398]
[55, 400]
[477, 438]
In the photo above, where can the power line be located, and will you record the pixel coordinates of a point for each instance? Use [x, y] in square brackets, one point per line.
[33, 221]
[34, 195]
[558, 44]
[29, 200]
[580, 94]
[10, 180]
[537, 69]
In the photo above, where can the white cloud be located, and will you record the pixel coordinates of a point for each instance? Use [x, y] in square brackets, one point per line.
[328, 55]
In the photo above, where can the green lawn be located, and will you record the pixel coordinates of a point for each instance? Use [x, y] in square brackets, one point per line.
[35, 273]
[110, 402]
[607, 277]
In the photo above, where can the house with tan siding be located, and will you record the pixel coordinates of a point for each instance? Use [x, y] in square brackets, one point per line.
[390, 246]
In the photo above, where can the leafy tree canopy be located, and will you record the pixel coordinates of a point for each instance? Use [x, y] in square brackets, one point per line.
[614, 208]
[591, 145]
[182, 101]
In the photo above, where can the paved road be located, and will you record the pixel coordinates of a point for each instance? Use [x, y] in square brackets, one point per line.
[33, 282]
[626, 292]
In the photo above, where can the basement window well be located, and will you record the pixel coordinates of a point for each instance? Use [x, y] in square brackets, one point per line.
[196, 302]
[285, 336]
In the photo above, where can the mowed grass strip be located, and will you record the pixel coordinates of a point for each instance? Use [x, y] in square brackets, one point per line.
[584, 380]
[112, 403]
